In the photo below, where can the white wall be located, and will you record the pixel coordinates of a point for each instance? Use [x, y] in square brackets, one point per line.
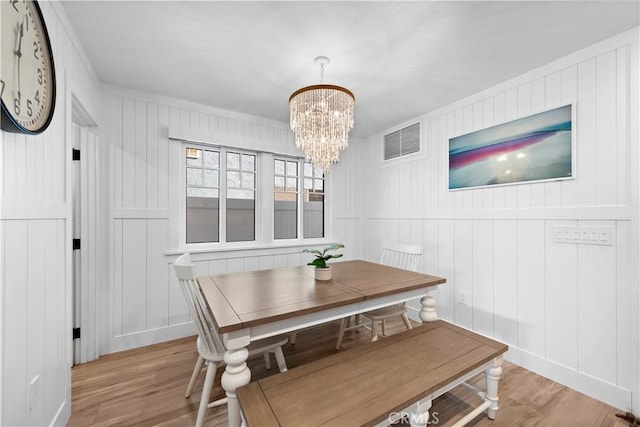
[35, 212]
[146, 218]
[567, 311]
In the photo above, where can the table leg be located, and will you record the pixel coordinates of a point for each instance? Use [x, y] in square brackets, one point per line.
[428, 312]
[492, 374]
[236, 374]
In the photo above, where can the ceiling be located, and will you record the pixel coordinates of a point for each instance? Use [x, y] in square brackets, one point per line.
[400, 59]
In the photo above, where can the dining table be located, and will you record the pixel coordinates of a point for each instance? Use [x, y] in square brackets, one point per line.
[253, 305]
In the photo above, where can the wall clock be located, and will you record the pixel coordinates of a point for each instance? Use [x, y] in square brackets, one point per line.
[27, 75]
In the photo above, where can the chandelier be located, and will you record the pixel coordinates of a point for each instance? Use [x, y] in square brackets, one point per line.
[321, 118]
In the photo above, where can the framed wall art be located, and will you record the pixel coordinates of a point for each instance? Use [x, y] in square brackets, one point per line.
[535, 148]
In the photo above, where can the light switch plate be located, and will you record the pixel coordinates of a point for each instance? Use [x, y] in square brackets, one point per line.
[586, 235]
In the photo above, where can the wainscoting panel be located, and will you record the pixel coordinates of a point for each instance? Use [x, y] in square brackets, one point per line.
[565, 309]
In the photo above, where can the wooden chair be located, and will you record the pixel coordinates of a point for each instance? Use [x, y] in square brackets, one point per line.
[210, 346]
[394, 255]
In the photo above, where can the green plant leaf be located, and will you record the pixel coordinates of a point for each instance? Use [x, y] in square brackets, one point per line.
[333, 247]
[312, 251]
[319, 263]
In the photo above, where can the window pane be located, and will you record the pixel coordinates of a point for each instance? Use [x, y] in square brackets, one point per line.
[248, 180]
[313, 216]
[210, 178]
[319, 184]
[194, 157]
[202, 217]
[308, 169]
[279, 167]
[240, 216]
[279, 183]
[285, 218]
[211, 160]
[194, 176]
[202, 192]
[248, 162]
[233, 179]
[308, 183]
[233, 161]
[292, 184]
[241, 194]
[292, 168]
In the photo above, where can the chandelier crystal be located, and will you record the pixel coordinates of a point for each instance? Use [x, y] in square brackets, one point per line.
[321, 118]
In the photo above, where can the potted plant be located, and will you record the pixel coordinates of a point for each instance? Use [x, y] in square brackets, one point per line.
[322, 270]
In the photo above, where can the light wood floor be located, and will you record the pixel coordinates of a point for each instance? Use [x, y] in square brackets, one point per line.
[145, 387]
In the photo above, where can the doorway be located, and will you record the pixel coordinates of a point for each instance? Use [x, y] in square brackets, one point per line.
[85, 231]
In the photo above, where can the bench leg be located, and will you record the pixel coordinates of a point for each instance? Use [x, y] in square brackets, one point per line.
[420, 413]
[492, 375]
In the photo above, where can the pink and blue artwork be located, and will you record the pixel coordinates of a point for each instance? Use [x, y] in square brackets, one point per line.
[533, 148]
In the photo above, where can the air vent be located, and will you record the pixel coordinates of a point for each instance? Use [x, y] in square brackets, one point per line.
[402, 142]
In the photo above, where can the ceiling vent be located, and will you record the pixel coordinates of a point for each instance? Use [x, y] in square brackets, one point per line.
[402, 142]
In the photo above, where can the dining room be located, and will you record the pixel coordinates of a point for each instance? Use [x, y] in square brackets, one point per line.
[499, 138]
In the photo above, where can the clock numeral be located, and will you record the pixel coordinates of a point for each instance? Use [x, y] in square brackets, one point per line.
[37, 97]
[13, 3]
[1, 88]
[39, 76]
[29, 110]
[35, 50]
[16, 106]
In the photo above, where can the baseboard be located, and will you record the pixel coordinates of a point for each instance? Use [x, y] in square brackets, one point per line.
[62, 415]
[596, 388]
[151, 336]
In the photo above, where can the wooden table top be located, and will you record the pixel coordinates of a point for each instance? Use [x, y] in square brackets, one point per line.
[243, 300]
[361, 386]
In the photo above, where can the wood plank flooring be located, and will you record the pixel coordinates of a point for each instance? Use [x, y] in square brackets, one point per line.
[145, 387]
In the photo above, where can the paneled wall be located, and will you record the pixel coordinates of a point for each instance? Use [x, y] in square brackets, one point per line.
[146, 304]
[35, 275]
[567, 311]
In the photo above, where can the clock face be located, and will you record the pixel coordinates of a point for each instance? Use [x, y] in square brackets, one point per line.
[27, 79]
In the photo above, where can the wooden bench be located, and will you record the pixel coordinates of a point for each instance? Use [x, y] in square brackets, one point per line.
[378, 382]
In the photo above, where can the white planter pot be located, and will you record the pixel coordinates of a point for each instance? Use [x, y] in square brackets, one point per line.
[323, 273]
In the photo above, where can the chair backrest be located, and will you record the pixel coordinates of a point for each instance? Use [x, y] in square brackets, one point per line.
[401, 256]
[197, 305]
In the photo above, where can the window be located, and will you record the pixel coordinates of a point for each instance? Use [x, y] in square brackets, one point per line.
[203, 195]
[287, 209]
[285, 199]
[313, 205]
[204, 205]
[224, 188]
[241, 197]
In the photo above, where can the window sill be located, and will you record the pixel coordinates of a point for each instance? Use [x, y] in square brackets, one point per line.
[213, 248]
